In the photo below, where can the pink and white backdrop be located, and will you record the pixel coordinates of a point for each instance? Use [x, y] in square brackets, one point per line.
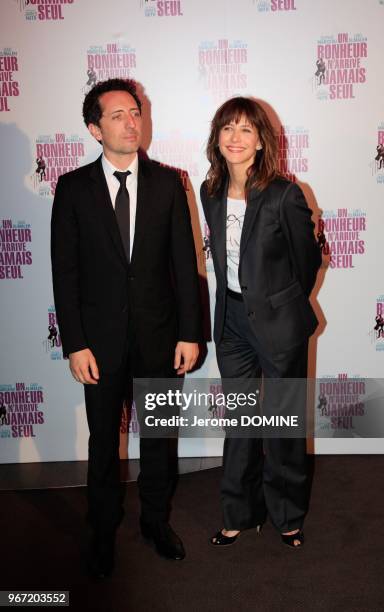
[314, 65]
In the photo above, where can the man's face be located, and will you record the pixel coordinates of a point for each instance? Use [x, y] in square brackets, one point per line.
[120, 125]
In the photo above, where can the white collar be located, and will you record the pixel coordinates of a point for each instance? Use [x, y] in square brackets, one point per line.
[109, 168]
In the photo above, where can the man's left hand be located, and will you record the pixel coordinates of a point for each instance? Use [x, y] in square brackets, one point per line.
[186, 354]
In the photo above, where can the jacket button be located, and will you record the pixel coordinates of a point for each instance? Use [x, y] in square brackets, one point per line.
[131, 278]
[251, 314]
[244, 287]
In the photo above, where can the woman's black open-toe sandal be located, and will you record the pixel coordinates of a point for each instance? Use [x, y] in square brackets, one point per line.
[222, 540]
[294, 540]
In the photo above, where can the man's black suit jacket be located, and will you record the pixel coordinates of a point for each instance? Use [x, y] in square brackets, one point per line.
[279, 260]
[98, 294]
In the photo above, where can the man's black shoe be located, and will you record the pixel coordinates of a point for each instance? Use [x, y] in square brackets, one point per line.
[166, 541]
[101, 557]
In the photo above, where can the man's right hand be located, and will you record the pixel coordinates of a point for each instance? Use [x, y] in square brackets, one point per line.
[84, 367]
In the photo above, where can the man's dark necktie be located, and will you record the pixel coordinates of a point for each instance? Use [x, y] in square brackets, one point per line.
[122, 211]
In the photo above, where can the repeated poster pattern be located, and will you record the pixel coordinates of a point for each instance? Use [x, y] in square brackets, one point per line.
[315, 66]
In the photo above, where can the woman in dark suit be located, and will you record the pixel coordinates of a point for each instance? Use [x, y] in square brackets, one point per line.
[266, 260]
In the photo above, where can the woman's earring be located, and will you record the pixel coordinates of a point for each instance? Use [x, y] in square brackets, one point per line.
[259, 147]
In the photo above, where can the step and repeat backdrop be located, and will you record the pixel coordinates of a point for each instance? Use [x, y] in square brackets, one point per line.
[314, 65]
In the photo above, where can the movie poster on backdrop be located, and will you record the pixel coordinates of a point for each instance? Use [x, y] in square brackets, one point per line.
[161, 8]
[110, 61]
[377, 164]
[318, 74]
[21, 410]
[55, 155]
[341, 66]
[178, 150]
[15, 249]
[222, 68]
[340, 405]
[377, 329]
[293, 152]
[52, 341]
[46, 10]
[275, 6]
[9, 83]
[341, 236]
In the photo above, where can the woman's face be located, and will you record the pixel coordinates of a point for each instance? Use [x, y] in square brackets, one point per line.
[238, 142]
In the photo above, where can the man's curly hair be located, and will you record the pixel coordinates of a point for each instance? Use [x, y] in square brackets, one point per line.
[91, 106]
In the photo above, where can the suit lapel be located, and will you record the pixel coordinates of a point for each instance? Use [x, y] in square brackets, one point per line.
[103, 202]
[218, 209]
[254, 203]
[218, 213]
[145, 191]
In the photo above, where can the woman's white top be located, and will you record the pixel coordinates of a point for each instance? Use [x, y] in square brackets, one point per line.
[235, 220]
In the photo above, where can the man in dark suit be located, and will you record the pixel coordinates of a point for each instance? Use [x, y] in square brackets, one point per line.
[127, 301]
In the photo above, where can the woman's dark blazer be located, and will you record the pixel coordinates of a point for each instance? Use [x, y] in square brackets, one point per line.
[279, 260]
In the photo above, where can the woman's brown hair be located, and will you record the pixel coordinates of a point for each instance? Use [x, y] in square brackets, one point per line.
[264, 168]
